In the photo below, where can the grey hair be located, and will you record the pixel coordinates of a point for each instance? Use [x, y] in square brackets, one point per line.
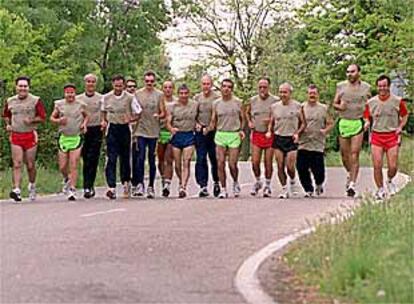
[287, 84]
[90, 75]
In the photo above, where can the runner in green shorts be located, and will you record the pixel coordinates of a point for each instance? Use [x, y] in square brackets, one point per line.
[350, 103]
[228, 120]
[71, 116]
[164, 149]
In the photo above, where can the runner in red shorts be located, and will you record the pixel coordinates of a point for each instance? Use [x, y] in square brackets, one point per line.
[389, 115]
[22, 113]
[258, 117]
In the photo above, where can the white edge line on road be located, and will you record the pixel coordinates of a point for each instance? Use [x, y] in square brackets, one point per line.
[103, 212]
[247, 281]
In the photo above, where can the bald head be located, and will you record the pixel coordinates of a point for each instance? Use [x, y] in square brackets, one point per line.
[285, 91]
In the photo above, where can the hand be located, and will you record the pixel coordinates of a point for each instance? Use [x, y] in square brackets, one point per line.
[28, 121]
[398, 131]
[341, 106]
[156, 115]
[242, 135]
[295, 138]
[198, 127]
[83, 128]
[9, 128]
[127, 118]
[104, 124]
[268, 134]
[63, 121]
[251, 124]
[174, 131]
[206, 130]
[366, 126]
[323, 131]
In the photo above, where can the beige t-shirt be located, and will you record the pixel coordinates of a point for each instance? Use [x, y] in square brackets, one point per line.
[312, 139]
[21, 109]
[73, 112]
[354, 97]
[168, 107]
[228, 114]
[184, 117]
[205, 107]
[94, 105]
[286, 117]
[148, 125]
[385, 114]
[118, 108]
[260, 111]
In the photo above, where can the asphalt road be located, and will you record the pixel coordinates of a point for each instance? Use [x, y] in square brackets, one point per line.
[147, 251]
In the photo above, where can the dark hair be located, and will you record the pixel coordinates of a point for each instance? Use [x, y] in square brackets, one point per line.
[23, 78]
[118, 77]
[183, 87]
[150, 73]
[357, 66]
[313, 87]
[227, 80]
[382, 77]
[265, 78]
[131, 80]
[69, 85]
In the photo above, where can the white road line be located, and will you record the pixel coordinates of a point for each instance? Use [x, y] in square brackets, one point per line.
[103, 212]
[246, 280]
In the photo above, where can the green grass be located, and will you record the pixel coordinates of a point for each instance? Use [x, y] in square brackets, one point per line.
[369, 258]
[48, 180]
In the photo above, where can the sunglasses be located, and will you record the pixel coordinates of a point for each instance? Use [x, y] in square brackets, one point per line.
[149, 81]
[131, 86]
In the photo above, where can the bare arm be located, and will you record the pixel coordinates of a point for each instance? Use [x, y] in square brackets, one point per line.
[302, 125]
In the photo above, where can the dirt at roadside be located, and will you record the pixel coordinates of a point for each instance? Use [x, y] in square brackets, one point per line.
[282, 284]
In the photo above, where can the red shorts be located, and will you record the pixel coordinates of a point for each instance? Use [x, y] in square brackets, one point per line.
[26, 140]
[260, 140]
[386, 140]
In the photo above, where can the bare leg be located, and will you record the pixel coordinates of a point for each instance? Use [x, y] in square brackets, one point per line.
[221, 162]
[256, 157]
[291, 164]
[377, 154]
[345, 148]
[30, 157]
[356, 145]
[187, 155]
[268, 163]
[63, 160]
[233, 159]
[168, 162]
[17, 156]
[178, 164]
[392, 161]
[161, 158]
[74, 157]
[280, 160]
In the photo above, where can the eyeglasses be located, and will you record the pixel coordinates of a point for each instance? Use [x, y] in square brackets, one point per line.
[131, 86]
[149, 81]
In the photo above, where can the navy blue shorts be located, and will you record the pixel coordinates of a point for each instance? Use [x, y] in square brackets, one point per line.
[183, 140]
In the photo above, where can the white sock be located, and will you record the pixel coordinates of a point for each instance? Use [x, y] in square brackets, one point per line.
[268, 181]
[32, 185]
[258, 179]
[16, 190]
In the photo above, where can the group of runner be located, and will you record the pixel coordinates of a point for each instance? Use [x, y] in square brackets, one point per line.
[140, 124]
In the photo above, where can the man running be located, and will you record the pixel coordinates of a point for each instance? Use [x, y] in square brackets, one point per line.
[258, 112]
[119, 110]
[287, 122]
[164, 148]
[389, 115]
[310, 158]
[146, 133]
[181, 122]
[228, 119]
[350, 100]
[91, 149]
[22, 113]
[72, 118]
[204, 137]
[131, 86]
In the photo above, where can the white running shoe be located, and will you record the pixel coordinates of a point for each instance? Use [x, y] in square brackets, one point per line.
[380, 194]
[236, 189]
[319, 190]
[223, 193]
[256, 187]
[66, 186]
[267, 192]
[392, 188]
[32, 192]
[293, 189]
[285, 193]
[72, 194]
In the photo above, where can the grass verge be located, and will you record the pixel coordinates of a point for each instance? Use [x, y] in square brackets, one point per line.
[369, 257]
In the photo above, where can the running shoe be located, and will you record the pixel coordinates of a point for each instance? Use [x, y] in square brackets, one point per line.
[150, 192]
[126, 190]
[380, 194]
[285, 193]
[32, 192]
[87, 193]
[140, 190]
[203, 192]
[392, 188]
[110, 193]
[256, 187]
[72, 194]
[66, 185]
[267, 192]
[15, 195]
[319, 190]
[166, 190]
[350, 191]
[223, 193]
[236, 189]
[308, 194]
[216, 189]
[182, 193]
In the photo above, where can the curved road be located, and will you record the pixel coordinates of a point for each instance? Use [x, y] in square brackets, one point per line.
[147, 251]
